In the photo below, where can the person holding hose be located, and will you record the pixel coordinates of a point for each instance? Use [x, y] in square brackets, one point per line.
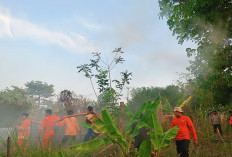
[183, 136]
[48, 129]
[71, 128]
[24, 131]
[89, 116]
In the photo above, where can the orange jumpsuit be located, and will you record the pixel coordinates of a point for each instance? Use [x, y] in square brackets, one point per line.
[48, 134]
[24, 133]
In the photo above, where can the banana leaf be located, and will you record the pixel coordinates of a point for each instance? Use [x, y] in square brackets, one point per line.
[129, 113]
[158, 138]
[87, 126]
[145, 149]
[112, 129]
[147, 119]
[167, 136]
[135, 118]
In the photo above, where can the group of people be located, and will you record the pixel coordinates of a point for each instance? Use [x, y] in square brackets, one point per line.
[50, 122]
[182, 138]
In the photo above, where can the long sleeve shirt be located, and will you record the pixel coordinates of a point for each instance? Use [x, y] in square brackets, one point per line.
[24, 129]
[71, 126]
[185, 127]
[48, 125]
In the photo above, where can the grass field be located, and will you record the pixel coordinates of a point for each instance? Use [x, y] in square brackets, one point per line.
[210, 145]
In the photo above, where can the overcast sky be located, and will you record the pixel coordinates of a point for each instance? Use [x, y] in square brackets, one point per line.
[46, 40]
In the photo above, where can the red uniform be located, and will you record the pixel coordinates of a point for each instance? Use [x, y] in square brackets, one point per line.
[24, 133]
[185, 125]
[230, 120]
[48, 134]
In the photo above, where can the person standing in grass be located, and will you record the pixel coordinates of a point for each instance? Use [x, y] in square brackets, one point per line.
[90, 116]
[71, 128]
[24, 131]
[183, 136]
[48, 129]
[216, 122]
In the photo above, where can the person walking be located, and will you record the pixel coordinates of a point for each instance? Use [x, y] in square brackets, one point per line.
[182, 138]
[216, 122]
[71, 128]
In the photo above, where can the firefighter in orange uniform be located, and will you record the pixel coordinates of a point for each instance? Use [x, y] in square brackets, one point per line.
[48, 129]
[24, 131]
[71, 128]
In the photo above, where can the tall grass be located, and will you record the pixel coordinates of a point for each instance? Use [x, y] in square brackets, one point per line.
[210, 145]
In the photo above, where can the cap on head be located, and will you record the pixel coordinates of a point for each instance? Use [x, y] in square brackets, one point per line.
[178, 109]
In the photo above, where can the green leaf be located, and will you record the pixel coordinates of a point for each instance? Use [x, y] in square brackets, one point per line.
[135, 118]
[155, 140]
[145, 149]
[147, 119]
[129, 113]
[156, 135]
[157, 127]
[87, 126]
[60, 154]
[92, 145]
[167, 136]
[112, 129]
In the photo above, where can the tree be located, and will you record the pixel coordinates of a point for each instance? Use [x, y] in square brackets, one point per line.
[208, 23]
[170, 95]
[12, 103]
[71, 101]
[39, 90]
[100, 70]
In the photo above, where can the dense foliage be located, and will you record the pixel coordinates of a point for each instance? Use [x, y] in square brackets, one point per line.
[208, 24]
[171, 94]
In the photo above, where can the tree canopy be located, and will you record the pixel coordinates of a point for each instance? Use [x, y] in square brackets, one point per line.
[12, 103]
[208, 23]
[39, 90]
[140, 95]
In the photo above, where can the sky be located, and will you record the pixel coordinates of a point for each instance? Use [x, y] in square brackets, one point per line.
[46, 40]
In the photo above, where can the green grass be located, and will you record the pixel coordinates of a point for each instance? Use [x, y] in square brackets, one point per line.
[210, 145]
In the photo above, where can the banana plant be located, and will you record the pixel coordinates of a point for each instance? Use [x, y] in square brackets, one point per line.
[160, 139]
[149, 119]
[109, 128]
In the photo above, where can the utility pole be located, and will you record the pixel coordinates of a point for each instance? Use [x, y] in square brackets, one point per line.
[8, 146]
